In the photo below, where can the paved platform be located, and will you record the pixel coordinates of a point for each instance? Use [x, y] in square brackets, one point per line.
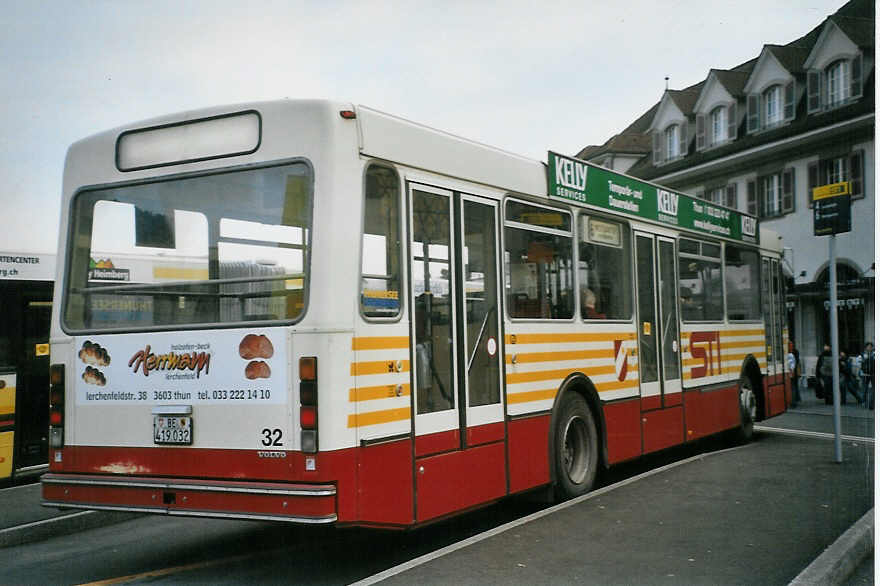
[758, 514]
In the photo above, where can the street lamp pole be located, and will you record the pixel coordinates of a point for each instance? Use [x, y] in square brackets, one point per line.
[835, 350]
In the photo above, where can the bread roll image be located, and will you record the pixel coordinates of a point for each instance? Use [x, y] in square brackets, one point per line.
[93, 354]
[255, 346]
[93, 376]
[257, 369]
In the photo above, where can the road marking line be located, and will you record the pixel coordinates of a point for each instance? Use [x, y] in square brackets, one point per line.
[169, 571]
[815, 434]
[399, 569]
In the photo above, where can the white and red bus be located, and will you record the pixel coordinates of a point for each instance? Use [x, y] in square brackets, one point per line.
[316, 312]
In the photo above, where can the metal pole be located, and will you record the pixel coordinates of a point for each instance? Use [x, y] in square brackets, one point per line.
[835, 350]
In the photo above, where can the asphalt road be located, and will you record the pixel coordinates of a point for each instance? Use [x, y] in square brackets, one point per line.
[755, 514]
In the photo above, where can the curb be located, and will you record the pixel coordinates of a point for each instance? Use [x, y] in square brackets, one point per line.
[57, 526]
[837, 562]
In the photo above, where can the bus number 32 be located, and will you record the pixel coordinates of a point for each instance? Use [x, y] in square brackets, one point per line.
[271, 437]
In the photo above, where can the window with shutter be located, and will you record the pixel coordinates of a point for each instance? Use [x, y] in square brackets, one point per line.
[656, 137]
[718, 133]
[814, 83]
[731, 196]
[856, 77]
[752, 113]
[857, 174]
[837, 83]
[771, 113]
[751, 198]
[812, 181]
[789, 101]
[731, 122]
[683, 136]
[788, 191]
[701, 132]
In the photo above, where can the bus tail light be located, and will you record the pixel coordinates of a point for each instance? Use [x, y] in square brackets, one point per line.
[56, 406]
[308, 403]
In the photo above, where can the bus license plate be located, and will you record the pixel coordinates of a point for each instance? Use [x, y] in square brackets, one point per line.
[172, 429]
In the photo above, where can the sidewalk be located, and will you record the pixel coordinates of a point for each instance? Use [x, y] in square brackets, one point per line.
[759, 514]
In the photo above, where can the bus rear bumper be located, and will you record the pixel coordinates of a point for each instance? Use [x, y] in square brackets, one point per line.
[267, 501]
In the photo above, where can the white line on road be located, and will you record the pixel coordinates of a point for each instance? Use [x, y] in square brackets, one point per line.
[816, 434]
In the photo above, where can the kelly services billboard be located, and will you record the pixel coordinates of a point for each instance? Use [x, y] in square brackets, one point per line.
[582, 183]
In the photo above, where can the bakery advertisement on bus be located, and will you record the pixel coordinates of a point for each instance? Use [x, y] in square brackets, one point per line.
[580, 182]
[229, 366]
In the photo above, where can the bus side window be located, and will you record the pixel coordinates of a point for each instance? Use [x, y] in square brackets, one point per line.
[742, 283]
[699, 272]
[380, 261]
[538, 262]
[604, 271]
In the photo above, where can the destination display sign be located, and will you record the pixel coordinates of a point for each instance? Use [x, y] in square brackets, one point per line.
[580, 182]
[832, 209]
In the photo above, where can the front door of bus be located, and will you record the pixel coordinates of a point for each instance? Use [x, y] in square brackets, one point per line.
[455, 323]
[659, 357]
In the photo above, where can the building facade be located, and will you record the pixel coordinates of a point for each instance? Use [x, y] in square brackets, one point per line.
[758, 138]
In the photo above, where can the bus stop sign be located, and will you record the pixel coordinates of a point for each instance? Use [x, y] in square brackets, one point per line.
[831, 209]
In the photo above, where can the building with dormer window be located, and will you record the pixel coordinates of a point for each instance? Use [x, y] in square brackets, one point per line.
[759, 137]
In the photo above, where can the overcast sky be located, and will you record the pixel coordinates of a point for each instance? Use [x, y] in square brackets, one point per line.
[522, 76]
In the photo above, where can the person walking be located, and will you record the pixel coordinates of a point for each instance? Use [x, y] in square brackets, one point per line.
[848, 383]
[794, 367]
[825, 373]
[867, 373]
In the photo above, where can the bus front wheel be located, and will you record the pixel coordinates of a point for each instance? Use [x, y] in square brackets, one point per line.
[576, 447]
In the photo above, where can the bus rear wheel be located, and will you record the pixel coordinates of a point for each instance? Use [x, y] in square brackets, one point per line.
[575, 448]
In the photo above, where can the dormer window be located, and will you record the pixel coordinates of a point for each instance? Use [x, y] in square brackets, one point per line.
[671, 143]
[721, 127]
[772, 111]
[771, 107]
[673, 137]
[837, 84]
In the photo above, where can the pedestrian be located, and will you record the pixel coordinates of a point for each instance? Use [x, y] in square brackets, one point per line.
[824, 373]
[867, 373]
[794, 367]
[848, 383]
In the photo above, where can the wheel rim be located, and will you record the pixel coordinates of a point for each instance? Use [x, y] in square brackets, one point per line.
[574, 451]
[748, 401]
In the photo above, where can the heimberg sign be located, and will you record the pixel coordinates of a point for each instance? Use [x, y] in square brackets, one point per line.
[583, 183]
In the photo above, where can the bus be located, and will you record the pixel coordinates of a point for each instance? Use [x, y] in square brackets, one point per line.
[341, 316]
[26, 284]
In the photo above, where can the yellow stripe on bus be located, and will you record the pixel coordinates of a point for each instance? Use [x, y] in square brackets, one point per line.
[545, 394]
[529, 396]
[379, 392]
[556, 356]
[379, 367]
[380, 343]
[527, 377]
[565, 338]
[378, 417]
[747, 344]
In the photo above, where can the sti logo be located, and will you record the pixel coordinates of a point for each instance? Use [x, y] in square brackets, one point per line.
[571, 174]
[748, 226]
[667, 202]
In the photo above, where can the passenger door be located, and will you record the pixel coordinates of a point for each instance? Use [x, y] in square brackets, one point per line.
[658, 332]
[455, 321]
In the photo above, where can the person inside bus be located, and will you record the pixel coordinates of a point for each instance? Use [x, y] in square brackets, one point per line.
[588, 305]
